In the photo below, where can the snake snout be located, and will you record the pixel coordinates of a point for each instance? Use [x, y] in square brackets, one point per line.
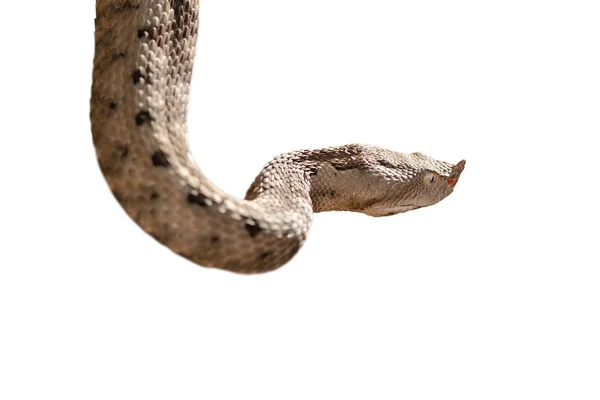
[458, 168]
[456, 171]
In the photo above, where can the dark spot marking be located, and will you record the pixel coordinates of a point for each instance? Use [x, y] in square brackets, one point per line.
[252, 228]
[151, 33]
[118, 55]
[215, 239]
[198, 199]
[142, 117]
[154, 196]
[137, 76]
[159, 159]
[342, 167]
[385, 163]
[113, 104]
[265, 254]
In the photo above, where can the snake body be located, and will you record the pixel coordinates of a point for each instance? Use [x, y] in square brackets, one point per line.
[144, 52]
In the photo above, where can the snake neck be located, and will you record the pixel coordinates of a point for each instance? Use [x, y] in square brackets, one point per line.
[331, 179]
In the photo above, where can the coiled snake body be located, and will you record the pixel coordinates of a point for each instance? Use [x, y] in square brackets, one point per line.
[141, 84]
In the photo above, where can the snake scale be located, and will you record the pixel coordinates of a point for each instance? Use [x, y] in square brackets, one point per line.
[144, 52]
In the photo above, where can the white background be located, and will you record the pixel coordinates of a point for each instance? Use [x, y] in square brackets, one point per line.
[492, 294]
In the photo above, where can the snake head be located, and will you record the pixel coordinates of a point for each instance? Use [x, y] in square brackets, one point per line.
[423, 181]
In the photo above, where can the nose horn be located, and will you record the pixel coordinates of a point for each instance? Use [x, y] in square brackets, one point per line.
[458, 168]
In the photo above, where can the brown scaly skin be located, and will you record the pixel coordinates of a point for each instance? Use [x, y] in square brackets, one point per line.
[141, 84]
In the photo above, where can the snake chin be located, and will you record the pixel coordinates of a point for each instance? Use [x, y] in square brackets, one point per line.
[386, 212]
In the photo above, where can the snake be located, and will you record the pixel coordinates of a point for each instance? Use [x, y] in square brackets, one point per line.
[142, 69]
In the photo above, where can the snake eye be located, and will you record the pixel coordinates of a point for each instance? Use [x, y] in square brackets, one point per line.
[429, 178]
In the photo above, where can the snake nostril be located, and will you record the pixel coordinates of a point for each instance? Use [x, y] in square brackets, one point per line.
[452, 181]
